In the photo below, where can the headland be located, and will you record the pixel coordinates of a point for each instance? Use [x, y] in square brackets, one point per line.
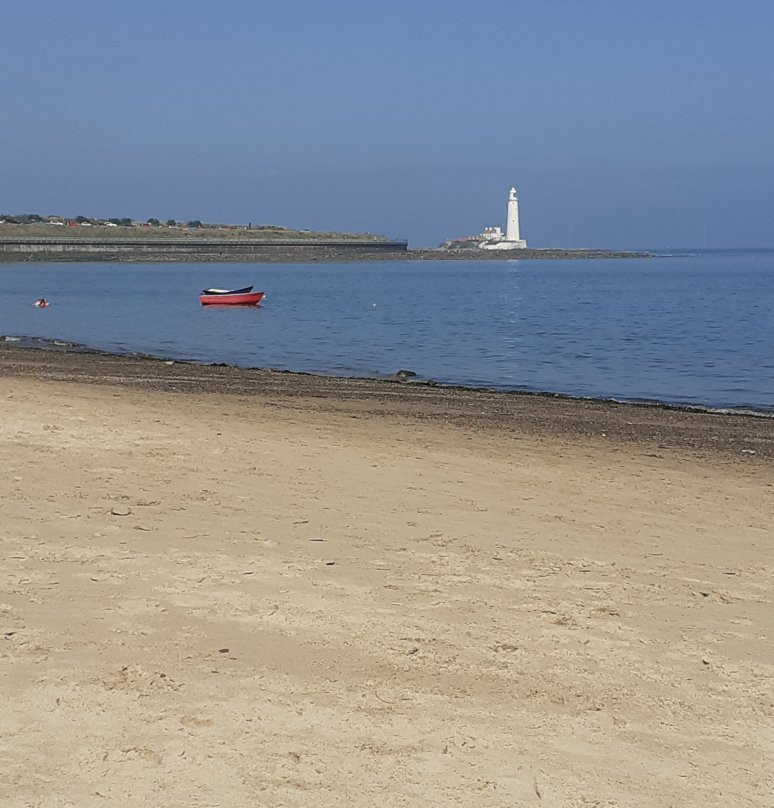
[190, 242]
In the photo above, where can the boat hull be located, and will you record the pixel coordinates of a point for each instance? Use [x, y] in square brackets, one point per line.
[232, 299]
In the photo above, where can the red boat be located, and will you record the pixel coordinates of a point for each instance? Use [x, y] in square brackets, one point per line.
[231, 297]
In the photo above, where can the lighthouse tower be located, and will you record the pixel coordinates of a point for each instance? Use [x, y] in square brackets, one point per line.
[512, 222]
[492, 237]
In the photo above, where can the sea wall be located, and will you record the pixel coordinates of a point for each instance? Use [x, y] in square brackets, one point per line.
[50, 249]
[273, 251]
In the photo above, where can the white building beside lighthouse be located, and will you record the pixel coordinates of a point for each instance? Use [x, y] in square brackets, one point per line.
[493, 238]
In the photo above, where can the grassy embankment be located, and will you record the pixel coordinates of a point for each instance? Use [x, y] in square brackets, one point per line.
[206, 232]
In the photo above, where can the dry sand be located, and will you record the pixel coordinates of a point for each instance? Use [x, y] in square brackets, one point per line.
[305, 595]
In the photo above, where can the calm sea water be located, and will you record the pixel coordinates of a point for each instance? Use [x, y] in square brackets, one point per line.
[692, 329]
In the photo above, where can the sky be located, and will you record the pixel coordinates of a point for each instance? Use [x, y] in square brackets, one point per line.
[623, 124]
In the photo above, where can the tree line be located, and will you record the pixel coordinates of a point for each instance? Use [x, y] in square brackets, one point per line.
[35, 218]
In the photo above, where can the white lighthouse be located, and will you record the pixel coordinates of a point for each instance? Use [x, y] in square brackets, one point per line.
[492, 237]
[512, 224]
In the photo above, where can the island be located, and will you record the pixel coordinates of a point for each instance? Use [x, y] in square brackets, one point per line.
[29, 237]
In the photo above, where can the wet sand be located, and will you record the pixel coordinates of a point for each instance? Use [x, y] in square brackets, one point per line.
[239, 587]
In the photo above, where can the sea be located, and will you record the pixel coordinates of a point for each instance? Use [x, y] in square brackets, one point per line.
[683, 327]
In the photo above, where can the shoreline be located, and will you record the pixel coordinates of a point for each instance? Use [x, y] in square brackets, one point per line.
[49, 250]
[744, 434]
[403, 377]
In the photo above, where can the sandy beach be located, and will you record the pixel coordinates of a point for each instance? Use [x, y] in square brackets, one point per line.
[230, 588]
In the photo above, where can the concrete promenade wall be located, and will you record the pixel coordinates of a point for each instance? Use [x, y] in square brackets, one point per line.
[50, 249]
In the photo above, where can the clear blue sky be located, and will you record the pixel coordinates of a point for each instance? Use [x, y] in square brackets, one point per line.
[623, 123]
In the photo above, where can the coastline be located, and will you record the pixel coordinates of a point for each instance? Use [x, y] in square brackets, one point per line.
[137, 250]
[741, 434]
[227, 586]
